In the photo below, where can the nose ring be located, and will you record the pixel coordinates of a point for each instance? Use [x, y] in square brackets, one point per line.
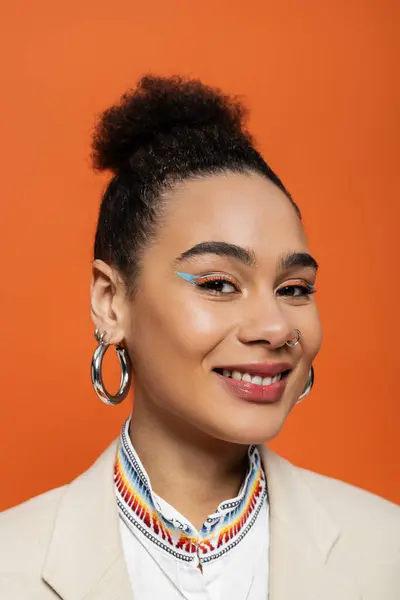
[296, 341]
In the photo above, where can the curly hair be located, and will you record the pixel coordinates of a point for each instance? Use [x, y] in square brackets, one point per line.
[166, 130]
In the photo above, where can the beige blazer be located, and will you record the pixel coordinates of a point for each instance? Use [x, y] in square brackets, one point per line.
[329, 540]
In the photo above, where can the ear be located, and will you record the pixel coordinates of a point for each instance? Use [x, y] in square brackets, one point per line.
[108, 305]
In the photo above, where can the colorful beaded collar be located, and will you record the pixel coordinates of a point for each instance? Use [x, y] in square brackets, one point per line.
[139, 508]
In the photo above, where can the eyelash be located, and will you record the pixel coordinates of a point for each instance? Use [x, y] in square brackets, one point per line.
[305, 287]
[203, 281]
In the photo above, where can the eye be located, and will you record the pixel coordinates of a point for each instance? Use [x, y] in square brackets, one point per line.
[216, 283]
[297, 289]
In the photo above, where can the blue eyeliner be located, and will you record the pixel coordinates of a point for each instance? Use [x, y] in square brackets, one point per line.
[187, 276]
[194, 278]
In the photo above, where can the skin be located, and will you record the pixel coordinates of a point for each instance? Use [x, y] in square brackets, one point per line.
[190, 432]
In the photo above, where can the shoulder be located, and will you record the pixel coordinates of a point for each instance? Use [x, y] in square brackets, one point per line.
[353, 505]
[32, 509]
[25, 532]
[370, 532]
[367, 522]
[348, 503]
[360, 530]
[27, 524]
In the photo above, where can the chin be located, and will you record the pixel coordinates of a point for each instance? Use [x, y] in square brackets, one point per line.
[255, 429]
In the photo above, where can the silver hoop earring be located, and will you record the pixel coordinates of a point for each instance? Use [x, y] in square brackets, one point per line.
[97, 379]
[310, 383]
[291, 344]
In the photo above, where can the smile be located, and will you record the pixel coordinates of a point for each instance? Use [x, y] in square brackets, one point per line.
[255, 379]
[262, 383]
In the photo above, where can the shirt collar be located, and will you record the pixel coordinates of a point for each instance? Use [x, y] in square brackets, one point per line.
[146, 514]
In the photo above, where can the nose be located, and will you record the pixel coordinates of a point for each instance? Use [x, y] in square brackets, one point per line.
[266, 322]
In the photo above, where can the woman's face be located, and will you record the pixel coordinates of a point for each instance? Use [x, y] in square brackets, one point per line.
[245, 232]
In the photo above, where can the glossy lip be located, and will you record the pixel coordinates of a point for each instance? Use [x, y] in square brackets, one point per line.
[263, 369]
[251, 392]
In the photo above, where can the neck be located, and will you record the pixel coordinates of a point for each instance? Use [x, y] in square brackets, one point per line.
[189, 469]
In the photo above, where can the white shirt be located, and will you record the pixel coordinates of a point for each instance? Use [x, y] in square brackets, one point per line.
[168, 559]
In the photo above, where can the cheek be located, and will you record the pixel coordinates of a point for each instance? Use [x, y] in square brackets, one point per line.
[201, 325]
[184, 328]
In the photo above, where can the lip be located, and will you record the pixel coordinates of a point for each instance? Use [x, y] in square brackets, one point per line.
[251, 392]
[266, 369]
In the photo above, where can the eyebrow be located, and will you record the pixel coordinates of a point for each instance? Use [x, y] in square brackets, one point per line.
[297, 259]
[225, 249]
[246, 255]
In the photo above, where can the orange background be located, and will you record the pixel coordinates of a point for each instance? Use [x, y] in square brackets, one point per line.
[321, 79]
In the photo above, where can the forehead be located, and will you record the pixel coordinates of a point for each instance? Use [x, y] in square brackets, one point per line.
[243, 209]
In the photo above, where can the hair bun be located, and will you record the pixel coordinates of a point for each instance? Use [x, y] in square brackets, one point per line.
[159, 106]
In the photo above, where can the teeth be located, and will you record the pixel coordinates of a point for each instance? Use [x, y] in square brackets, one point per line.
[256, 379]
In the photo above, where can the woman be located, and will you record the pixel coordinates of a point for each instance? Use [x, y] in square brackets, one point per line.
[203, 281]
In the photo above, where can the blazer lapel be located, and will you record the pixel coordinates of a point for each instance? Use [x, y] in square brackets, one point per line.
[301, 537]
[85, 556]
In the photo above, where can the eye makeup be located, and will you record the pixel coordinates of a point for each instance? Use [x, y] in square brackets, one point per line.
[188, 277]
[290, 288]
[217, 284]
[306, 288]
[201, 279]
